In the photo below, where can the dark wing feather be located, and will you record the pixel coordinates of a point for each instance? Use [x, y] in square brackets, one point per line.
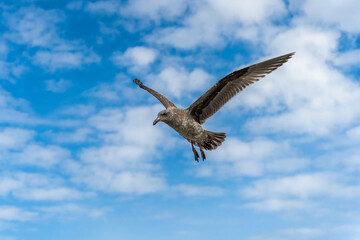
[211, 101]
[166, 102]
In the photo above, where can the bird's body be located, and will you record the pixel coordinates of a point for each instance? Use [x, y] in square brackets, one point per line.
[184, 124]
[187, 121]
[181, 120]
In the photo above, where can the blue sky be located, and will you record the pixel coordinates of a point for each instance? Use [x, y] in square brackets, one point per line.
[80, 158]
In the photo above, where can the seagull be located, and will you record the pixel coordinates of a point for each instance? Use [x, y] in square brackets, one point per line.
[187, 121]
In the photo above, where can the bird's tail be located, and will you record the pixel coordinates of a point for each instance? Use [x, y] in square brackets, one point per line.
[213, 140]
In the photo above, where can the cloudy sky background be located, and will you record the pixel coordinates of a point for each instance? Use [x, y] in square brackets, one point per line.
[80, 158]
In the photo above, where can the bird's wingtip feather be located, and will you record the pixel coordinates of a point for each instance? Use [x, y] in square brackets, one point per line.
[138, 82]
[291, 54]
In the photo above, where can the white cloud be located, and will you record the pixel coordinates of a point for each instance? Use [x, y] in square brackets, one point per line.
[75, 5]
[107, 179]
[34, 26]
[253, 158]
[126, 125]
[193, 190]
[15, 110]
[300, 232]
[107, 119]
[7, 69]
[304, 232]
[347, 59]
[108, 92]
[103, 7]
[49, 194]
[108, 30]
[58, 86]
[122, 88]
[8, 185]
[344, 155]
[137, 182]
[11, 213]
[213, 21]
[129, 125]
[4, 49]
[245, 158]
[310, 40]
[287, 164]
[341, 14]
[40, 156]
[248, 11]
[65, 59]
[178, 82]
[4, 70]
[311, 230]
[298, 191]
[302, 186]
[79, 135]
[37, 27]
[37, 187]
[301, 191]
[155, 9]
[71, 210]
[135, 57]
[276, 204]
[78, 110]
[118, 156]
[14, 138]
[6, 237]
[354, 133]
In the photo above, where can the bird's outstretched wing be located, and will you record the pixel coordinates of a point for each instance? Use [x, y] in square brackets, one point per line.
[211, 101]
[166, 102]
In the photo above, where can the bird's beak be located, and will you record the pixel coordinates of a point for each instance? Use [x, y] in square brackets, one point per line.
[156, 121]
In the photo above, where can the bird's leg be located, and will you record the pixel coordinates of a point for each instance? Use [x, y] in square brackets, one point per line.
[196, 154]
[202, 154]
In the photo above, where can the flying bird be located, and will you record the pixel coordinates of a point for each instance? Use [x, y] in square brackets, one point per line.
[187, 121]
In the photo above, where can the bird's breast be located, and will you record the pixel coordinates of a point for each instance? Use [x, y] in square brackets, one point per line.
[187, 127]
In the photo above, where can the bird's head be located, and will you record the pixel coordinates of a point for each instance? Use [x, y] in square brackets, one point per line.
[163, 116]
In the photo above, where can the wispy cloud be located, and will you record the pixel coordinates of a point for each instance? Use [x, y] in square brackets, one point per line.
[297, 192]
[69, 210]
[14, 138]
[65, 59]
[15, 110]
[135, 57]
[38, 28]
[193, 190]
[103, 7]
[58, 86]
[38, 187]
[254, 158]
[211, 22]
[12, 213]
[34, 26]
[341, 15]
[180, 82]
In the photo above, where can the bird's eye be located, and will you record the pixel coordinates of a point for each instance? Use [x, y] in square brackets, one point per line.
[163, 114]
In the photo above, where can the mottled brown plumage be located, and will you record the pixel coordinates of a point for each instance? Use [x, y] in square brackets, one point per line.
[187, 122]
